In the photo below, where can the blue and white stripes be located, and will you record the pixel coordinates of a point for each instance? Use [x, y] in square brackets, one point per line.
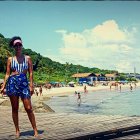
[19, 67]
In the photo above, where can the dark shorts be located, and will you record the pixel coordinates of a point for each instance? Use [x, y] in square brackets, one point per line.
[17, 85]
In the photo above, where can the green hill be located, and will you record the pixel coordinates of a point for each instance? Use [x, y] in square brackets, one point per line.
[44, 68]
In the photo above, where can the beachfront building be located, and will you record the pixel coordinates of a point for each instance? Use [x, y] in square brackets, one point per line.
[111, 77]
[133, 75]
[100, 77]
[138, 76]
[91, 77]
[88, 77]
[85, 77]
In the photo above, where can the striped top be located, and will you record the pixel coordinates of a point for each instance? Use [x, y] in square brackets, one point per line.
[15, 66]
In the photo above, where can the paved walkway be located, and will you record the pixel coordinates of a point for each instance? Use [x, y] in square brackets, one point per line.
[53, 126]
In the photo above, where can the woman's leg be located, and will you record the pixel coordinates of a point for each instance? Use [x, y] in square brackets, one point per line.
[28, 108]
[15, 105]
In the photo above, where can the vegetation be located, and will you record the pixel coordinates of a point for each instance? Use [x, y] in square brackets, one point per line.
[45, 70]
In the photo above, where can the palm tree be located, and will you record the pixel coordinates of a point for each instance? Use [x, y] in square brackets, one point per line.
[50, 71]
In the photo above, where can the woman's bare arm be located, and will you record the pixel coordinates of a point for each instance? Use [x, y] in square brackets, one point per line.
[30, 74]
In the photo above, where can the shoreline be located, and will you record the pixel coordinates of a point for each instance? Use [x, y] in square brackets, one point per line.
[71, 90]
[38, 101]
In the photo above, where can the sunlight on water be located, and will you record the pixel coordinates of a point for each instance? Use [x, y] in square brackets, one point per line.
[102, 103]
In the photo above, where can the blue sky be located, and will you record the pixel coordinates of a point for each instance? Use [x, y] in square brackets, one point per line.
[103, 34]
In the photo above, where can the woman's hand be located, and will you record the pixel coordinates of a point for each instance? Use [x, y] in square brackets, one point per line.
[31, 90]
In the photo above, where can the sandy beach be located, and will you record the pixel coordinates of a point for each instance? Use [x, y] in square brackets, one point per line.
[37, 101]
[71, 90]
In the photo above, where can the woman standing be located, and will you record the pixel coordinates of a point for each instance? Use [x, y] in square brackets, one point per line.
[16, 83]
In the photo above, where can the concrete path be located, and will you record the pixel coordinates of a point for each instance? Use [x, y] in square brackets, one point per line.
[53, 126]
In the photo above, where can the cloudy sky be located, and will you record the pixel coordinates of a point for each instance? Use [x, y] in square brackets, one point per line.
[102, 34]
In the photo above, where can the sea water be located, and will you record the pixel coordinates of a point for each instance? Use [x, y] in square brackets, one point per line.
[107, 102]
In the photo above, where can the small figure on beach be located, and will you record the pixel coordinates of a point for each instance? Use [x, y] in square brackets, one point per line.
[85, 89]
[36, 92]
[75, 92]
[135, 84]
[49, 86]
[131, 88]
[110, 86]
[116, 85]
[40, 90]
[16, 83]
[120, 87]
[79, 98]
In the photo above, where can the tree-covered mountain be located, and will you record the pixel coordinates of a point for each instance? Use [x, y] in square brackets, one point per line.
[44, 68]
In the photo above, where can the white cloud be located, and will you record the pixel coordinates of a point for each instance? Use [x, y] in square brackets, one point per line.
[108, 32]
[124, 66]
[106, 46]
[61, 31]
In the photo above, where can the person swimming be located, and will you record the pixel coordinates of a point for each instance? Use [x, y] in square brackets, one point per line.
[79, 98]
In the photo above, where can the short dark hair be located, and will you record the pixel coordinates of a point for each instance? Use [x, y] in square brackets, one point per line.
[13, 39]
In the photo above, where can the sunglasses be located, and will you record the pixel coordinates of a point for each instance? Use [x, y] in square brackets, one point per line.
[17, 46]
